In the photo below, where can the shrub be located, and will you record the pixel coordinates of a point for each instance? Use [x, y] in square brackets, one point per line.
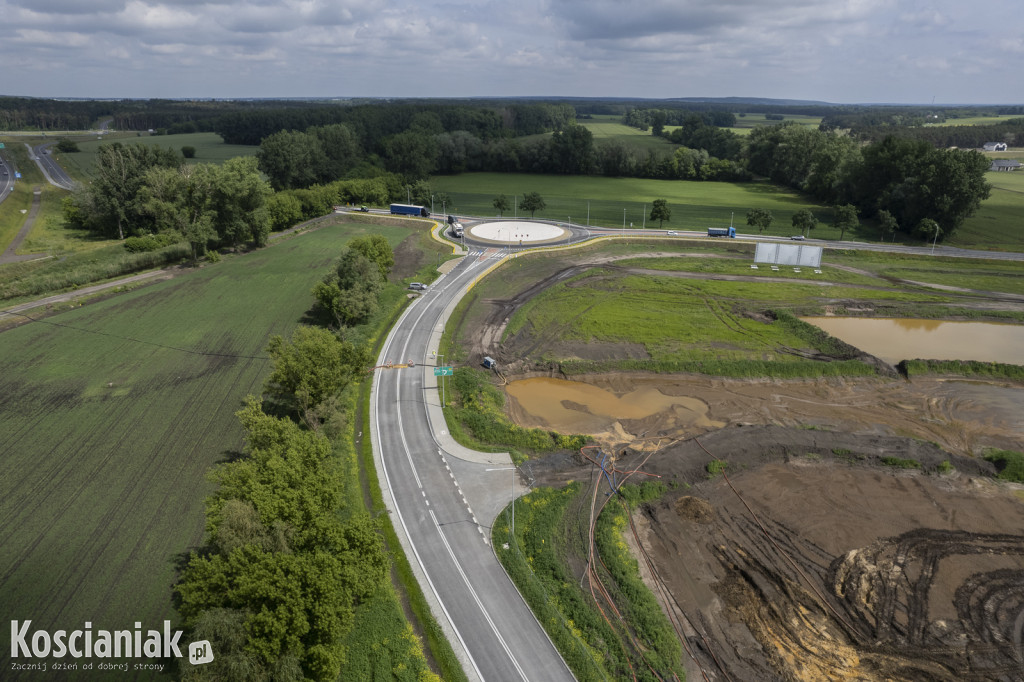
[944, 467]
[1009, 464]
[150, 242]
[900, 463]
[715, 467]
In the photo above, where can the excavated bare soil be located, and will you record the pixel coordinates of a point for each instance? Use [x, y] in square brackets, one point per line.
[814, 560]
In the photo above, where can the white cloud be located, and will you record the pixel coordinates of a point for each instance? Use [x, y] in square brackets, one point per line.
[838, 50]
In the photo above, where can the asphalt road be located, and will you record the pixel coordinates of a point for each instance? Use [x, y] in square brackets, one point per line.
[54, 174]
[6, 178]
[444, 505]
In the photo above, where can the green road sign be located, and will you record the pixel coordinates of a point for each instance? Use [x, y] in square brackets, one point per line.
[1, 145]
[443, 371]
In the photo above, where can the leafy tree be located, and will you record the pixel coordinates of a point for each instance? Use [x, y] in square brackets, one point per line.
[913, 180]
[501, 204]
[283, 210]
[572, 150]
[887, 223]
[411, 154]
[312, 366]
[349, 292]
[804, 221]
[445, 200]
[929, 229]
[420, 193]
[341, 150]
[178, 200]
[377, 249]
[239, 200]
[188, 151]
[291, 159]
[532, 202]
[67, 146]
[661, 212]
[110, 204]
[761, 218]
[846, 219]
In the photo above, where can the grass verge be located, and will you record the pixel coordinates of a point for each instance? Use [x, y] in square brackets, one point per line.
[535, 558]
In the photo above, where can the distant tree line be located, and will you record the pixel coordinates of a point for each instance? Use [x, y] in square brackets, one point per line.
[657, 119]
[20, 113]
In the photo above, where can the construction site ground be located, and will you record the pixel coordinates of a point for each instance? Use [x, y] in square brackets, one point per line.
[815, 558]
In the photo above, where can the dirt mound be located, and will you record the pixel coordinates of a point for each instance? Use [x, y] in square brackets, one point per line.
[695, 509]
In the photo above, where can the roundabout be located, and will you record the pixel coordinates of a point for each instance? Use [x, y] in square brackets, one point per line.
[517, 233]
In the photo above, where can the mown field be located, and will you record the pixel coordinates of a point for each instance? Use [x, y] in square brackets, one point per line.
[114, 412]
[210, 148]
[610, 128]
[976, 120]
[610, 201]
[997, 224]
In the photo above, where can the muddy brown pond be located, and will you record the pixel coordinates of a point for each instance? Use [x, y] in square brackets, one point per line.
[893, 339]
[577, 407]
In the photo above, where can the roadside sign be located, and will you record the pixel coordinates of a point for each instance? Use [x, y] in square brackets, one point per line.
[1, 145]
[17, 175]
[444, 371]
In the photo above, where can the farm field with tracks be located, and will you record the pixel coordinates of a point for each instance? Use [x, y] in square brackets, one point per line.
[114, 412]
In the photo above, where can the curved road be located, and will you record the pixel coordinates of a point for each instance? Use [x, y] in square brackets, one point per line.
[443, 499]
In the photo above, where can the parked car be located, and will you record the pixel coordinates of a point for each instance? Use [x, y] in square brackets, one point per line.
[418, 286]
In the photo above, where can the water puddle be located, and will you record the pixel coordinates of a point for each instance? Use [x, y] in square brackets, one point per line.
[576, 407]
[893, 340]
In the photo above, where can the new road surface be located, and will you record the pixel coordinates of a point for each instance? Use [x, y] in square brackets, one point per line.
[443, 499]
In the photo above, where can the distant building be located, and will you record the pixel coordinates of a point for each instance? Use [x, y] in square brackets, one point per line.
[1004, 165]
[995, 147]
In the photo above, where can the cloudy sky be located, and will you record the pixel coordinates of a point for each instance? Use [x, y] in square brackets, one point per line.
[833, 50]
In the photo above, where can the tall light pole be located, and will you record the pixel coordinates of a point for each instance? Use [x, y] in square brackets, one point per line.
[588, 214]
[623, 220]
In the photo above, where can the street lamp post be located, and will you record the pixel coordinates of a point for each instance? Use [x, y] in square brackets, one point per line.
[623, 220]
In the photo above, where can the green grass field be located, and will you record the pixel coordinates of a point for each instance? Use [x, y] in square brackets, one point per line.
[976, 120]
[997, 224]
[694, 205]
[114, 412]
[610, 128]
[210, 148]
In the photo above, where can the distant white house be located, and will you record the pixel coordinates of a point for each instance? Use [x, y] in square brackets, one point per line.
[995, 147]
[1004, 165]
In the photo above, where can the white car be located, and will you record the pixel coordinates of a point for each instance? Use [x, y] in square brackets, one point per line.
[672, 233]
[798, 238]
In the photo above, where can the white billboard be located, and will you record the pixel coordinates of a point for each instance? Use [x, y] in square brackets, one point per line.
[799, 255]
